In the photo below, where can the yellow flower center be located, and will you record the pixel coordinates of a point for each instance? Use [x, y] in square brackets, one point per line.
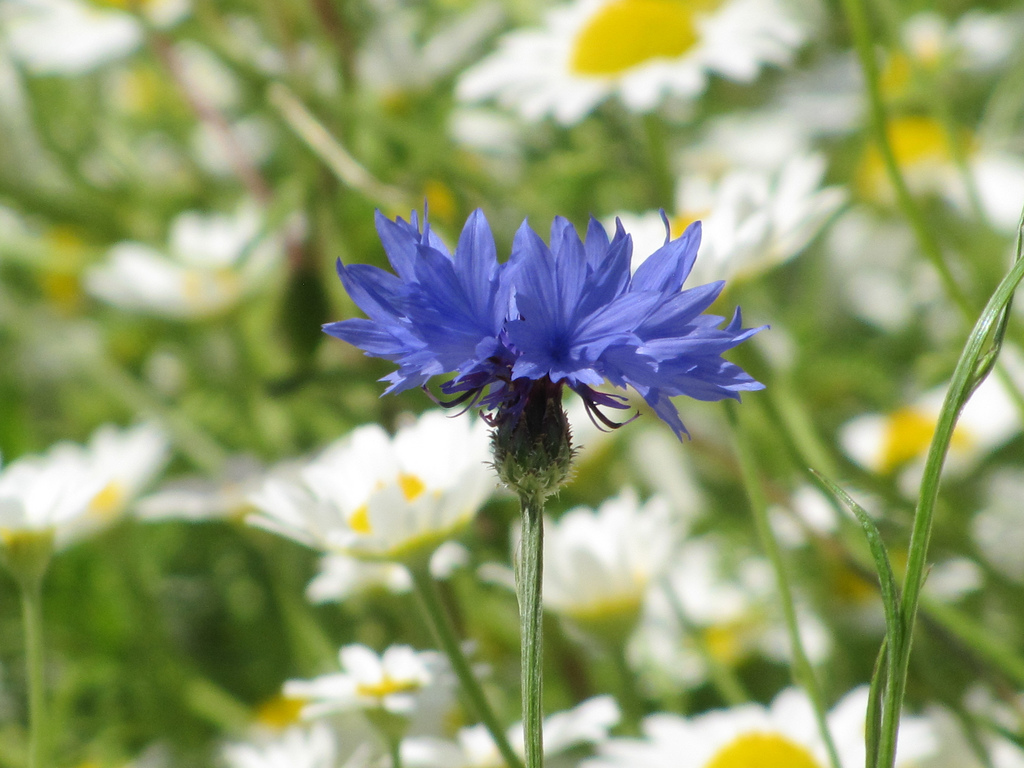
[360, 520]
[411, 486]
[626, 33]
[200, 286]
[279, 712]
[908, 432]
[918, 139]
[727, 642]
[108, 502]
[441, 200]
[385, 687]
[762, 750]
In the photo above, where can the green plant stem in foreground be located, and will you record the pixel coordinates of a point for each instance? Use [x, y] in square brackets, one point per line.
[443, 631]
[529, 582]
[976, 362]
[803, 672]
[32, 616]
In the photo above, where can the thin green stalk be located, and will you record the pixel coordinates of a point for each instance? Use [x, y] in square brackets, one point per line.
[32, 616]
[629, 697]
[857, 16]
[723, 678]
[443, 631]
[976, 362]
[803, 672]
[529, 582]
[395, 748]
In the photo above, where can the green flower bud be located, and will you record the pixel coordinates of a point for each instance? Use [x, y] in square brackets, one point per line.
[533, 449]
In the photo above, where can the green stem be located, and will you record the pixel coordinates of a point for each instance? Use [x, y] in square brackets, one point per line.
[443, 631]
[629, 697]
[32, 615]
[395, 748]
[803, 672]
[723, 678]
[976, 362]
[857, 16]
[529, 583]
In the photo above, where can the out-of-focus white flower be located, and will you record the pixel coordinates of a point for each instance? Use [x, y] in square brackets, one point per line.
[809, 509]
[997, 529]
[392, 682]
[600, 563]
[784, 733]
[977, 40]
[953, 579]
[297, 747]
[751, 220]
[735, 614]
[885, 442]
[342, 576]
[641, 50]
[197, 499]
[396, 58]
[72, 490]
[72, 37]
[376, 497]
[40, 494]
[126, 460]
[212, 261]
[878, 269]
[67, 37]
[922, 150]
[587, 723]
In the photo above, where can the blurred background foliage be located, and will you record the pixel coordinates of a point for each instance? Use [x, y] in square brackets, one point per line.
[317, 112]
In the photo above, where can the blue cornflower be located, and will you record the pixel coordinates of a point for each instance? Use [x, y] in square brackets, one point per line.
[566, 315]
[583, 318]
[441, 313]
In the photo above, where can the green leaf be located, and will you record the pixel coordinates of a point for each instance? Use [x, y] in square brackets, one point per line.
[883, 566]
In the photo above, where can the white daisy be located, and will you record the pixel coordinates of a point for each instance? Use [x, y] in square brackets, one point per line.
[381, 498]
[977, 40]
[735, 611]
[314, 747]
[751, 219]
[884, 443]
[784, 733]
[921, 147]
[399, 55]
[392, 682]
[599, 563]
[211, 263]
[44, 493]
[73, 490]
[996, 529]
[641, 50]
[66, 37]
[341, 576]
[196, 499]
[72, 37]
[587, 723]
[880, 274]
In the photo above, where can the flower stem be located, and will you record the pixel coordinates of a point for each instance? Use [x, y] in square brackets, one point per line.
[976, 362]
[856, 15]
[32, 616]
[803, 672]
[529, 580]
[439, 622]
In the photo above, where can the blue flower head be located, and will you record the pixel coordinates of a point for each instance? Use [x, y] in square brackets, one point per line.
[569, 313]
